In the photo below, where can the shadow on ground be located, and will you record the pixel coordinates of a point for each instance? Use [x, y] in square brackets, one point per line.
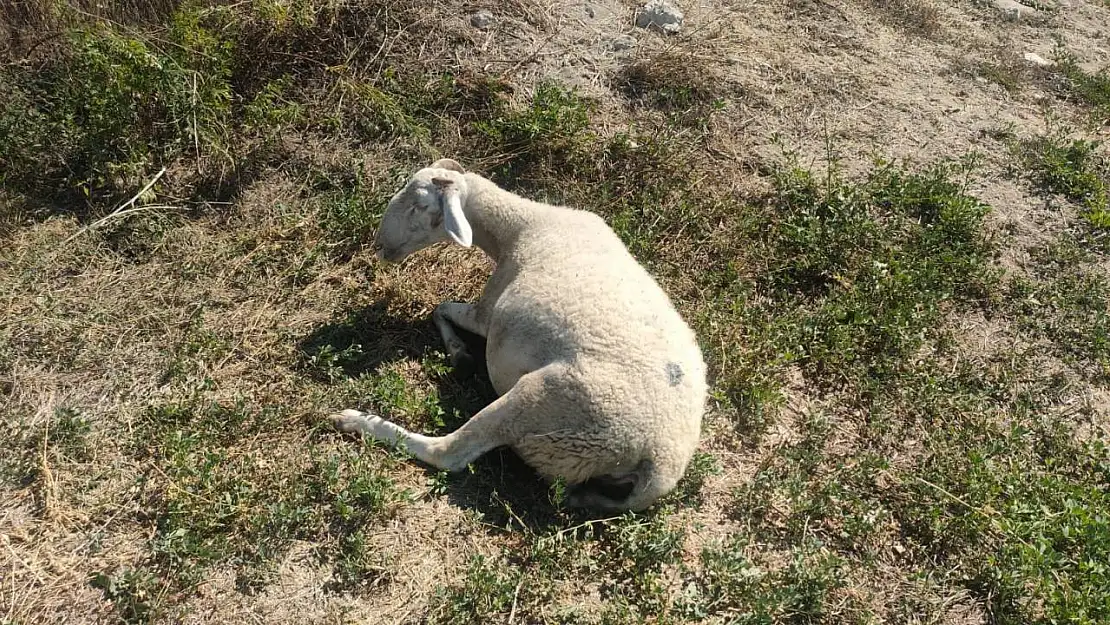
[500, 485]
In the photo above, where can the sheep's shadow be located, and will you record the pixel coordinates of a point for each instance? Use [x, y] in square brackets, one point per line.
[360, 342]
[499, 485]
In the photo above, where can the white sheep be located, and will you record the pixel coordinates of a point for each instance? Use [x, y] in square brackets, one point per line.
[600, 381]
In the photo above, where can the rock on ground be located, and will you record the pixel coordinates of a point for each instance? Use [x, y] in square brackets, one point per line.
[482, 20]
[1013, 10]
[660, 15]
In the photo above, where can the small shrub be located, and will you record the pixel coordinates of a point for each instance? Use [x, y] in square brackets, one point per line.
[550, 130]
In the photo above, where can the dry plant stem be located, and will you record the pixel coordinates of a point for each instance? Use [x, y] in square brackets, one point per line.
[122, 209]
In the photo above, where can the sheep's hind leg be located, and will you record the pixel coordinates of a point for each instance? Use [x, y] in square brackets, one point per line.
[488, 429]
[447, 317]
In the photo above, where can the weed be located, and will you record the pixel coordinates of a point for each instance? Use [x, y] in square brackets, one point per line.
[359, 564]
[350, 216]
[275, 108]
[635, 550]
[388, 390]
[1068, 304]
[135, 593]
[1090, 89]
[487, 592]
[61, 439]
[114, 107]
[1009, 72]
[1007, 505]
[914, 17]
[677, 83]
[219, 502]
[869, 267]
[348, 206]
[689, 490]
[196, 348]
[69, 434]
[731, 582]
[806, 492]
[1075, 169]
[549, 131]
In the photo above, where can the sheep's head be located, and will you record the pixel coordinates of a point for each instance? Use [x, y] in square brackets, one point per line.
[426, 211]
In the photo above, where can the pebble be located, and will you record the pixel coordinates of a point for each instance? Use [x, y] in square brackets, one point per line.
[1037, 59]
[1013, 10]
[660, 15]
[623, 42]
[482, 20]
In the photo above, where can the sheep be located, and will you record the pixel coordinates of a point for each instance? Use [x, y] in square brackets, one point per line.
[600, 381]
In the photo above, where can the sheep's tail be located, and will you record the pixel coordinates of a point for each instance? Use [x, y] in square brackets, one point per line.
[647, 483]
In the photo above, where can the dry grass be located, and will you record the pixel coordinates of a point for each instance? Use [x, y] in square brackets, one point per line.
[921, 18]
[897, 371]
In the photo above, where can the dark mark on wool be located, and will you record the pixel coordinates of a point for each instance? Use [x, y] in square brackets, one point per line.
[674, 373]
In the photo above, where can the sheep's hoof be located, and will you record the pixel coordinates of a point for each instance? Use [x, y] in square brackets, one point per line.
[464, 364]
[348, 421]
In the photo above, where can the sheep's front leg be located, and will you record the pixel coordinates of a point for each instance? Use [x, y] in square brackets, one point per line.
[450, 315]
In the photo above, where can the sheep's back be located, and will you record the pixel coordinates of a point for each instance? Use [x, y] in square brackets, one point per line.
[587, 298]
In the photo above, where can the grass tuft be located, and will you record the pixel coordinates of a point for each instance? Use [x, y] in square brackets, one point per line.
[1076, 169]
[221, 500]
[488, 591]
[107, 112]
[870, 266]
[678, 83]
[1090, 89]
[915, 438]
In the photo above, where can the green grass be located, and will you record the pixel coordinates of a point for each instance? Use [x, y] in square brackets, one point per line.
[865, 459]
[134, 593]
[875, 264]
[1068, 304]
[1090, 89]
[113, 106]
[731, 582]
[1075, 168]
[221, 501]
[1019, 513]
[489, 589]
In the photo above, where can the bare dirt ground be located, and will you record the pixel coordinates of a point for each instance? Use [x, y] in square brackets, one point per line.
[164, 375]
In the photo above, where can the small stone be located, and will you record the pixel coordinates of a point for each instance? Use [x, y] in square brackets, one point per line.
[1013, 10]
[1037, 59]
[623, 42]
[660, 15]
[482, 20]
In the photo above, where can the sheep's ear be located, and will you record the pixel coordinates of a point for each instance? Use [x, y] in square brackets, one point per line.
[449, 163]
[454, 221]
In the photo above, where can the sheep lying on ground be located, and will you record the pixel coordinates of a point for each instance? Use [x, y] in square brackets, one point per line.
[600, 381]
